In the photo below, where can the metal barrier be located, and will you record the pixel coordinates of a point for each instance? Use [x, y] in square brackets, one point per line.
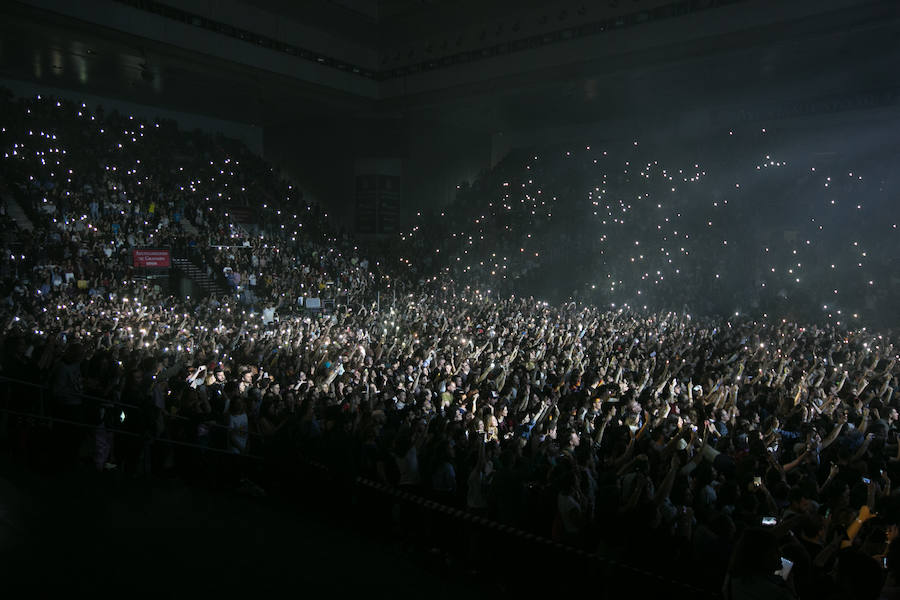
[503, 546]
[512, 551]
[7, 383]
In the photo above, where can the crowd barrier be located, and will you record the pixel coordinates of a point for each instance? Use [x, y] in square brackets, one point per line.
[531, 562]
[31, 404]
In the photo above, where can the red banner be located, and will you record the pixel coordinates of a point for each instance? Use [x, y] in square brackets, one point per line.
[151, 258]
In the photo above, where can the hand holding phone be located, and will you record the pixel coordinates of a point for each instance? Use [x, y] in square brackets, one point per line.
[785, 569]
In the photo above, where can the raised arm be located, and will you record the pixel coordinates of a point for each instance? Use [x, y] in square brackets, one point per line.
[831, 475]
[864, 423]
[666, 487]
[835, 432]
[796, 462]
[863, 448]
[598, 435]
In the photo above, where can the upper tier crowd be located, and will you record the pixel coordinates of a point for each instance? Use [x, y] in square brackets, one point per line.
[710, 449]
[642, 223]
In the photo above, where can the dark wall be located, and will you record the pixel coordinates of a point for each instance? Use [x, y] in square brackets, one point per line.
[678, 96]
[319, 153]
[442, 154]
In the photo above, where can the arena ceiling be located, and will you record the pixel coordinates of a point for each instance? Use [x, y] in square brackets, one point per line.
[512, 85]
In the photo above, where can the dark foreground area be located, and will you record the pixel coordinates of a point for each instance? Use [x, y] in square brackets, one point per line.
[79, 531]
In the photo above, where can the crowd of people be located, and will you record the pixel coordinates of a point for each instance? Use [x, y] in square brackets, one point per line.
[750, 456]
[770, 229]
